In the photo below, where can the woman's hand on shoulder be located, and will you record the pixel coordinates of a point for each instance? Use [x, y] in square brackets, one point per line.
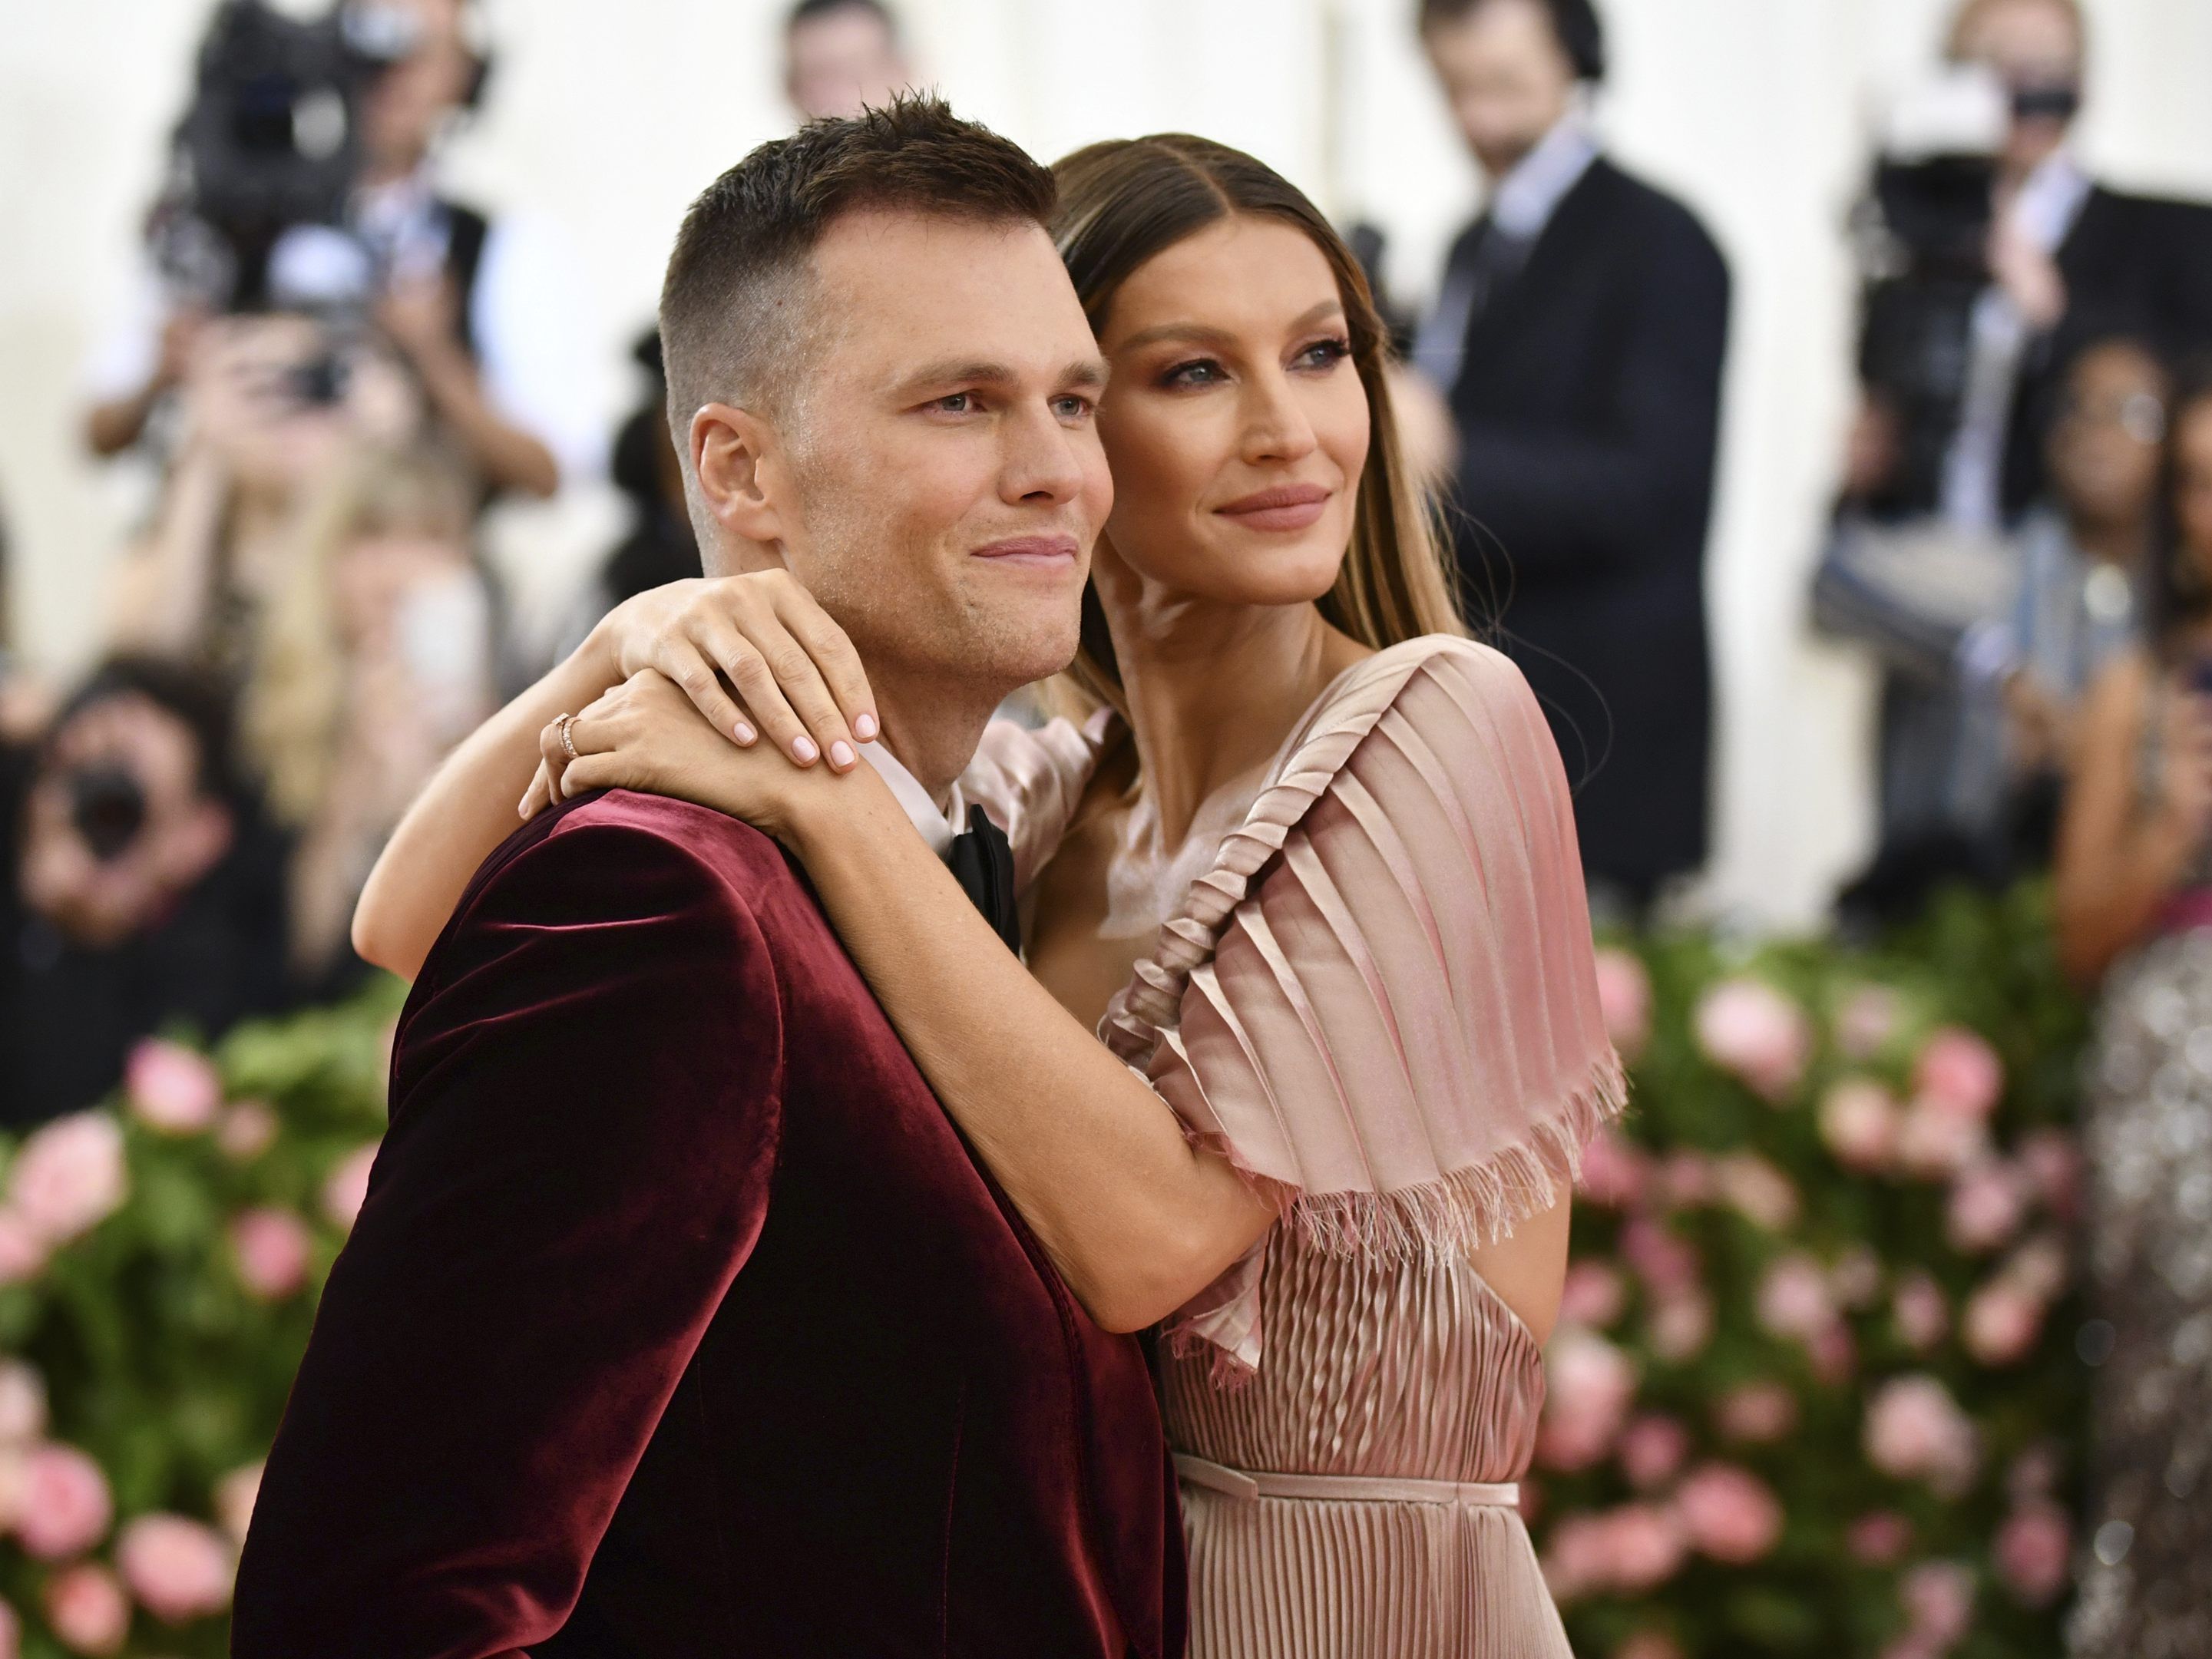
[645, 734]
[796, 677]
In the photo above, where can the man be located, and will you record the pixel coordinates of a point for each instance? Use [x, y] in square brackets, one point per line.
[141, 888]
[678, 1320]
[1579, 337]
[1950, 449]
[478, 307]
[840, 56]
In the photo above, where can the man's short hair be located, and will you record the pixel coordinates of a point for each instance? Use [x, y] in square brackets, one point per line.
[734, 311]
[805, 11]
[1581, 31]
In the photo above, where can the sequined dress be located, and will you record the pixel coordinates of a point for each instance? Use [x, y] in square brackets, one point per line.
[1380, 1003]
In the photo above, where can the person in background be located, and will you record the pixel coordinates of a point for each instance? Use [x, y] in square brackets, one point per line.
[144, 891]
[840, 56]
[374, 659]
[1579, 338]
[479, 308]
[1985, 680]
[660, 547]
[2134, 911]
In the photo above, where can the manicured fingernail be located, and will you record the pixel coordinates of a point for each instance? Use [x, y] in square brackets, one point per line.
[743, 733]
[805, 748]
[840, 753]
[865, 728]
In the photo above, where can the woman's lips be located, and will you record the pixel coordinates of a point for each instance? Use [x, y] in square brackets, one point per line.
[1044, 551]
[1285, 507]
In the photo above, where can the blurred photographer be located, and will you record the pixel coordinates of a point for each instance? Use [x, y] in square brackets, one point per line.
[141, 889]
[840, 56]
[305, 180]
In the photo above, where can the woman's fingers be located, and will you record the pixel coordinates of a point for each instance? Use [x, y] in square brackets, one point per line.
[681, 661]
[540, 795]
[604, 771]
[833, 655]
[552, 757]
[783, 690]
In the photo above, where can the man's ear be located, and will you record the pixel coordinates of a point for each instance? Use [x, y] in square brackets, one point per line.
[737, 456]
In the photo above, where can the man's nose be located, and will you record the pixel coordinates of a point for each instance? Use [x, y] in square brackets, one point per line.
[1042, 461]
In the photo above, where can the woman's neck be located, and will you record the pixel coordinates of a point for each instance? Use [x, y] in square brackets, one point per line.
[1213, 689]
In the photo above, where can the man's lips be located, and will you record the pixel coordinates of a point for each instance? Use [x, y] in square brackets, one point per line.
[1047, 551]
[1285, 507]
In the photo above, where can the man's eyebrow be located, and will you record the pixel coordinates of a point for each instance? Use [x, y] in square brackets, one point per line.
[1206, 334]
[1086, 375]
[1083, 373]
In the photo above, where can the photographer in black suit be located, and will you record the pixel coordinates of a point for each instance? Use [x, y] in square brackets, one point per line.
[1579, 337]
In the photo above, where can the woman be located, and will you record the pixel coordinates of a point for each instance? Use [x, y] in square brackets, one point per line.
[2134, 909]
[1314, 864]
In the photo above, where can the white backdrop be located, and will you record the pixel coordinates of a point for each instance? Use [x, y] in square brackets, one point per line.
[604, 119]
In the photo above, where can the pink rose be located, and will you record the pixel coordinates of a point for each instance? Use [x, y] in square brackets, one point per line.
[66, 1506]
[1756, 1412]
[1624, 996]
[1999, 1325]
[86, 1606]
[1649, 1644]
[1685, 1178]
[347, 1189]
[1576, 1557]
[2038, 1268]
[272, 1248]
[2051, 1165]
[1679, 1326]
[1915, 1431]
[1870, 1018]
[2033, 1549]
[1959, 1072]
[1756, 1190]
[248, 1129]
[171, 1089]
[1878, 1538]
[1661, 1258]
[1833, 1353]
[1859, 1124]
[1652, 1448]
[1985, 1208]
[1591, 1385]
[1856, 1279]
[1750, 1030]
[1729, 1513]
[22, 1403]
[2033, 1474]
[69, 1177]
[22, 1251]
[233, 1500]
[1794, 1299]
[1613, 1171]
[1933, 1143]
[11, 1633]
[1939, 1601]
[179, 1569]
[1593, 1296]
[1646, 1544]
[1922, 1315]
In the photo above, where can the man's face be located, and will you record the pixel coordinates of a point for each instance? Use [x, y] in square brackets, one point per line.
[943, 448]
[408, 103]
[1506, 76]
[841, 62]
[2032, 46]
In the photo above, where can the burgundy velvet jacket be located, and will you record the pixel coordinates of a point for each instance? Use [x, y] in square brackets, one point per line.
[679, 1320]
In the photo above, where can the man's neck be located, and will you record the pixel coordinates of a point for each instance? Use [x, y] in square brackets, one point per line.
[933, 726]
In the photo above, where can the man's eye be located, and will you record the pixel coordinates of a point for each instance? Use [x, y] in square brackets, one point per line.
[960, 403]
[1072, 408]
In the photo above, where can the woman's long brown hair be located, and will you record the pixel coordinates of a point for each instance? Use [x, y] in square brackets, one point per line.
[1124, 202]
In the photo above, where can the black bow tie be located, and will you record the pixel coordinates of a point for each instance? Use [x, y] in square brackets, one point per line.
[982, 861]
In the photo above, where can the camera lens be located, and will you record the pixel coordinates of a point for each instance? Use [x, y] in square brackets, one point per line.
[108, 807]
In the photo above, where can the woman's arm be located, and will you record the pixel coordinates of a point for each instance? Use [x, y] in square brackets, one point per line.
[2119, 858]
[1136, 1219]
[799, 675]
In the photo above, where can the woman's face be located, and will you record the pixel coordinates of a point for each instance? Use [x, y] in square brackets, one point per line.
[1235, 421]
[2192, 482]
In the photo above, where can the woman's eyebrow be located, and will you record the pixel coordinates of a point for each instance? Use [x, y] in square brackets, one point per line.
[1207, 334]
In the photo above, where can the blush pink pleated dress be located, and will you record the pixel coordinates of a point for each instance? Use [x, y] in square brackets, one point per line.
[1380, 1003]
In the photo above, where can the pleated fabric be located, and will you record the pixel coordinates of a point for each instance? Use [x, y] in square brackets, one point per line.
[1031, 782]
[1411, 1368]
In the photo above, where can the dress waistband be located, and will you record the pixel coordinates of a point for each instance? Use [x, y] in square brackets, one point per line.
[1347, 1488]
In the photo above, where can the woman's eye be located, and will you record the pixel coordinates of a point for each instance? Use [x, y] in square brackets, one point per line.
[1201, 371]
[1325, 354]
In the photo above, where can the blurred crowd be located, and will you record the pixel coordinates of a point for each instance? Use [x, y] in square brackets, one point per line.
[335, 366]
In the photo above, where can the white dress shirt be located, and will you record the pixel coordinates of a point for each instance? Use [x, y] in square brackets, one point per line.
[937, 825]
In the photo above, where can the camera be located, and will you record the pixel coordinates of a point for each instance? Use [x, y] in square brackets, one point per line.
[107, 806]
[269, 142]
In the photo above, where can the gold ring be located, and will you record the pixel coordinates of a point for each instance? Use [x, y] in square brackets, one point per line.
[566, 722]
